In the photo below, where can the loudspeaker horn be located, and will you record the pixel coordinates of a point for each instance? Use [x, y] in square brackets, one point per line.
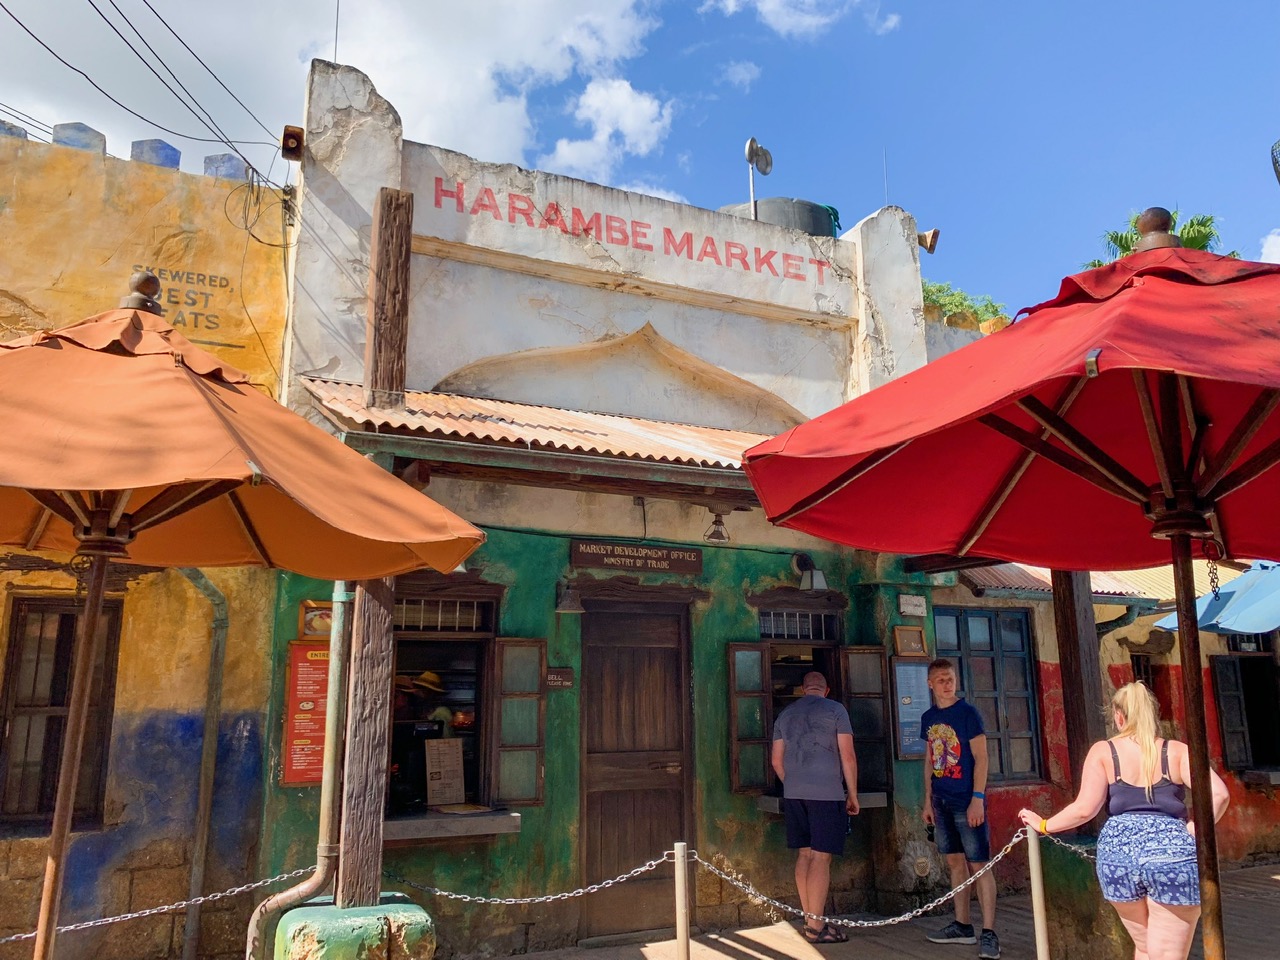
[928, 239]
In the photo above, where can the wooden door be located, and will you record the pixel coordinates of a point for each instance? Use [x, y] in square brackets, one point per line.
[636, 761]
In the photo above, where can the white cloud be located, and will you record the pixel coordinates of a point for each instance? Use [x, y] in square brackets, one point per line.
[624, 122]
[1271, 247]
[654, 191]
[806, 18]
[740, 73]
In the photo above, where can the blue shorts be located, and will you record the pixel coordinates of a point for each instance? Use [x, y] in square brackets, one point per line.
[953, 834]
[1144, 855]
[820, 825]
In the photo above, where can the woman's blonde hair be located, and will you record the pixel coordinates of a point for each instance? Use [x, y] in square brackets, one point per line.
[1141, 715]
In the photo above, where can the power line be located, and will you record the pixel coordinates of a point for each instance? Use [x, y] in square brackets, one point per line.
[267, 129]
[25, 118]
[93, 83]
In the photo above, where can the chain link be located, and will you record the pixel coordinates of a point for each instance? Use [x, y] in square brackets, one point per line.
[756, 895]
[180, 905]
[1077, 850]
[667, 857]
[1213, 581]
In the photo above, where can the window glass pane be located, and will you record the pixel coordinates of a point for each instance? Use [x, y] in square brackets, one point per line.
[982, 674]
[1015, 675]
[751, 769]
[1021, 756]
[864, 672]
[750, 711]
[519, 722]
[518, 775]
[748, 670]
[1017, 714]
[521, 668]
[867, 716]
[22, 776]
[1012, 635]
[945, 629]
[873, 764]
[979, 632]
[988, 710]
[993, 757]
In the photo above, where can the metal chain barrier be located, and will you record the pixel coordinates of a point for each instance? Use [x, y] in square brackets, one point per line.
[1077, 850]
[180, 905]
[756, 895]
[667, 857]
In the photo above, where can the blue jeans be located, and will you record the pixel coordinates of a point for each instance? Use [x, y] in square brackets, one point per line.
[953, 834]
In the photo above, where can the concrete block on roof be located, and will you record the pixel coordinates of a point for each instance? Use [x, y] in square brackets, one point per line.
[156, 152]
[12, 130]
[81, 136]
[226, 166]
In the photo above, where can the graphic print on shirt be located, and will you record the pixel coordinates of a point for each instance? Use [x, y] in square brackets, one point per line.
[945, 750]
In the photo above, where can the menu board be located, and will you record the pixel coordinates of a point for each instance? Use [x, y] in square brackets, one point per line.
[910, 700]
[444, 772]
[306, 690]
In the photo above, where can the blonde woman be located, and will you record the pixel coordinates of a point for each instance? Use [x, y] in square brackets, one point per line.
[1147, 850]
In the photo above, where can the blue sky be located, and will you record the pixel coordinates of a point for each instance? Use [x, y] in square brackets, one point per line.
[1021, 130]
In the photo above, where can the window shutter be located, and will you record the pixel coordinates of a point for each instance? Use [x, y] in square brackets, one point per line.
[865, 687]
[1228, 691]
[521, 720]
[749, 717]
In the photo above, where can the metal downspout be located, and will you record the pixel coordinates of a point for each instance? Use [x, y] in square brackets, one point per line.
[1129, 616]
[208, 754]
[334, 727]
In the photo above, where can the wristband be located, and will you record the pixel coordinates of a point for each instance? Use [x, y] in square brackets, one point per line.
[979, 795]
[1044, 827]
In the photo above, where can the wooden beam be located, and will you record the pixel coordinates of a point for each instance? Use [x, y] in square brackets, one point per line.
[944, 563]
[1248, 471]
[364, 780]
[832, 487]
[1082, 446]
[1245, 430]
[1081, 671]
[387, 318]
[1147, 405]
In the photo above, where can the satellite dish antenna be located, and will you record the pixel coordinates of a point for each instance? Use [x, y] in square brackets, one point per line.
[758, 158]
[1275, 157]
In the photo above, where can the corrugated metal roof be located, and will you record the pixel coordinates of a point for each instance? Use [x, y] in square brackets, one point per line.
[502, 422]
[1153, 584]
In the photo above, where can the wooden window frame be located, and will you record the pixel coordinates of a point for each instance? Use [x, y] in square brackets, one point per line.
[883, 782]
[98, 723]
[495, 746]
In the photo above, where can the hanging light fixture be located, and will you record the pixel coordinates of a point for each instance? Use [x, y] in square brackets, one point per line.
[716, 533]
[812, 579]
[568, 601]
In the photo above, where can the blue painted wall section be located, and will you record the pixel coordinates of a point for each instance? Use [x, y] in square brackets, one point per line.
[81, 136]
[12, 130]
[155, 152]
[226, 166]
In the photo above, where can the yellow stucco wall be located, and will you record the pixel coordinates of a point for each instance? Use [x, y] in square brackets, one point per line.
[76, 224]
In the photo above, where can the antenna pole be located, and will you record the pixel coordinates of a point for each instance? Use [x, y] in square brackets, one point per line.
[751, 184]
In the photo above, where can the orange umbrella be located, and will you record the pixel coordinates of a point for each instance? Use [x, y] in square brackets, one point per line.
[122, 440]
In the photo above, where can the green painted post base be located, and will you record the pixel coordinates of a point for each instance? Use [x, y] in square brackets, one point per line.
[392, 931]
[1081, 923]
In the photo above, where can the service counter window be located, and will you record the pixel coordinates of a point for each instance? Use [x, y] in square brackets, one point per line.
[482, 695]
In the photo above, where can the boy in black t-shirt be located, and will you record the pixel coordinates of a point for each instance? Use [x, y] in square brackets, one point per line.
[955, 780]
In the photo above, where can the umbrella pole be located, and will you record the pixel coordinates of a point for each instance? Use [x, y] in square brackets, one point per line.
[69, 768]
[1198, 747]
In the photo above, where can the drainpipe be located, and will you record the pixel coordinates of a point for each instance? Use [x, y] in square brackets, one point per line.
[208, 753]
[334, 726]
[1130, 615]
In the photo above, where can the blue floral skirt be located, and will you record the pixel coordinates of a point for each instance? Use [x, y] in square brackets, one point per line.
[1144, 855]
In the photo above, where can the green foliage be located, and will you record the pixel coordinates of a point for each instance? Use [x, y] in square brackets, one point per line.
[950, 301]
[1198, 233]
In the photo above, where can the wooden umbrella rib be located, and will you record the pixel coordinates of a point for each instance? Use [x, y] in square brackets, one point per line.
[1245, 430]
[38, 528]
[1010, 479]
[1145, 401]
[1171, 427]
[249, 530]
[1082, 446]
[118, 508]
[1063, 458]
[54, 504]
[839, 483]
[1248, 471]
[74, 499]
[179, 499]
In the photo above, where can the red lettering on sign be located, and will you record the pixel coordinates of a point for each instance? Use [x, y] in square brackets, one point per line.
[821, 265]
[581, 225]
[682, 246]
[791, 265]
[518, 203]
[709, 251]
[441, 193]
[487, 201]
[553, 218]
[639, 233]
[735, 251]
[765, 261]
[615, 230]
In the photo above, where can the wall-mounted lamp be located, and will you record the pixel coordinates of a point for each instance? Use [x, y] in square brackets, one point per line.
[568, 601]
[811, 578]
[716, 533]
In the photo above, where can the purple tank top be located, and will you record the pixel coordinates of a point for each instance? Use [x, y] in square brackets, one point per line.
[1167, 797]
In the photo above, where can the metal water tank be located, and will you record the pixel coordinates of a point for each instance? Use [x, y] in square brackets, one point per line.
[812, 218]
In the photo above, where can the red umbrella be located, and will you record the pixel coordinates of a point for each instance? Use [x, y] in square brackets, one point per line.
[1133, 408]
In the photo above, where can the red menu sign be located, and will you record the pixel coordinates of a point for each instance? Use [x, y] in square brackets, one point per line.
[307, 687]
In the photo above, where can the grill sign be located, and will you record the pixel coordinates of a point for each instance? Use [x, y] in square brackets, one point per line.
[636, 557]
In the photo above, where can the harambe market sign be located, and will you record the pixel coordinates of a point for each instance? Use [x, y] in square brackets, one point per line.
[635, 557]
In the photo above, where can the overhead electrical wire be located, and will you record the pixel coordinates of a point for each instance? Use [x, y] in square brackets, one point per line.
[26, 118]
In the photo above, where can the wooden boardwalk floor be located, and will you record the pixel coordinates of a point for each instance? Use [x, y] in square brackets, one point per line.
[1251, 903]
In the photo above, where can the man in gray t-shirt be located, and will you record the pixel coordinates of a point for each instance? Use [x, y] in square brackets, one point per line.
[812, 751]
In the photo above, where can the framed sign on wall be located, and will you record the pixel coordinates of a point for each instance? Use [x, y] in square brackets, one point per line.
[910, 700]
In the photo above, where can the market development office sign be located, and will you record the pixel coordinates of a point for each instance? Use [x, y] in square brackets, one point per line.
[635, 557]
